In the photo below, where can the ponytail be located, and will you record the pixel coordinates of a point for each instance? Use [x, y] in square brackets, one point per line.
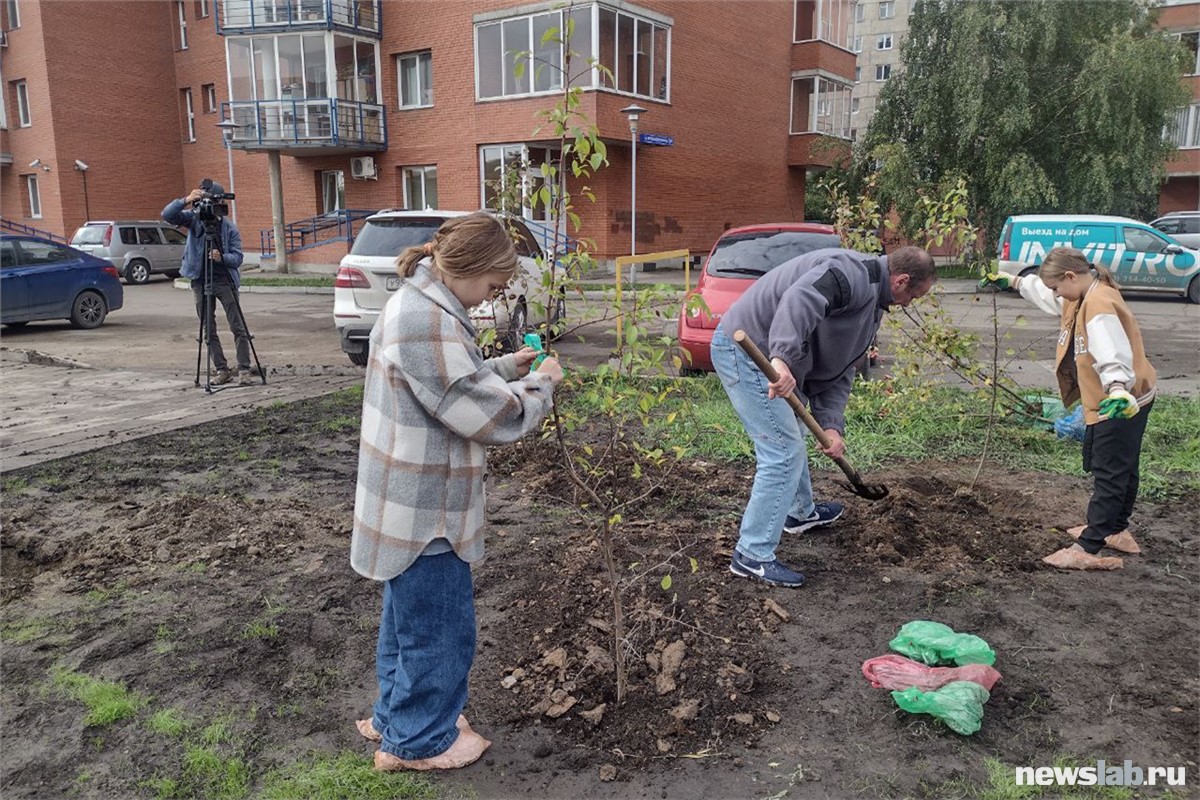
[464, 247]
[406, 264]
[1105, 276]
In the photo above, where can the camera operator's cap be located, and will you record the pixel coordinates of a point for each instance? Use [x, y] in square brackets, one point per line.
[211, 187]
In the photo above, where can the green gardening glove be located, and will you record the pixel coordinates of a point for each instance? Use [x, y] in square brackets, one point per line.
[1119, 404]
[1000, 280]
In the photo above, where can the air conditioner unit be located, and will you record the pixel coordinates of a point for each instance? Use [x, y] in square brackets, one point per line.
[363, 167]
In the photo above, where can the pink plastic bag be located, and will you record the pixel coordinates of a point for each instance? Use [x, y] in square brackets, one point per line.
[899, 673]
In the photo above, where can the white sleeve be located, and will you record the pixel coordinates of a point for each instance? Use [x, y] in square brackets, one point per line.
[1110, 350]
[1036, 292]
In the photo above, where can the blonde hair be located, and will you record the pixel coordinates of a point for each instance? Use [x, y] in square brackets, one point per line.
[465, 247]
[1062, 260]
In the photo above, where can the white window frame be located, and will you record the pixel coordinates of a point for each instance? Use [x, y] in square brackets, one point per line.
[858, 73]
[856, 45]
[828, 112]
[594, 83]
[884, 41]
[339, 190]
[1194, 69]
[860, 11]
[424, 172]
[827, 21]
[35, 197]
[415, 58]
[883, 72]
[887, 9]
[204, 8]
[24, 117]
[181, 6]
[14, 14]
[854, 134]
[210, 98]
[855, 105]
[1184, 129]
[190, 109]
[3, 104]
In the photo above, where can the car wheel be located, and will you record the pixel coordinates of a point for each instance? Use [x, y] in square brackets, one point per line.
[137, 272]
[88, 311]
[1193, 293]
[360, 359]
[517, 323]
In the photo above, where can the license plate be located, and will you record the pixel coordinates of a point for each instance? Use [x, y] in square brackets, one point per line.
[393, 283]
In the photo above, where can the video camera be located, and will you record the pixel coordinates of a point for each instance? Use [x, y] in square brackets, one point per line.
[215, 202]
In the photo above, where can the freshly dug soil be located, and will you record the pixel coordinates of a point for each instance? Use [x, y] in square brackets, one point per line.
[208, 570]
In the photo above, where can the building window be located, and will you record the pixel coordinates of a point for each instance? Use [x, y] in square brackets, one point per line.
[858, 74]
[209, 90]
[333, 191]
[883, 41]
[857, 45]
[887, 9]
[35, 198]
[633, 57]
[883, 72]
[189, 115]
[828, 20]
[1184, 128]
[860, 12]
[181, 9]
[854, 134]
[854, 105]
[1191, 40]
[420, 188]
[3, 108]
[820, 106]
[415, 79]
[515, 168]
[22, 92]
[14, 14]
[202, 9]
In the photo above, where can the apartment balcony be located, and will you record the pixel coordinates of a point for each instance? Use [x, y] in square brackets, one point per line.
[275, 16]
[310, 126]
[816, 150]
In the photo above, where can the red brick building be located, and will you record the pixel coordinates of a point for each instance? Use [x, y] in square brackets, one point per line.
[1181, 190]
[413, 103]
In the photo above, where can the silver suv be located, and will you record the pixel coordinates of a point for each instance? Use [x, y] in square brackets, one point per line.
[1182, 226]
[138, 248]
[367, 276]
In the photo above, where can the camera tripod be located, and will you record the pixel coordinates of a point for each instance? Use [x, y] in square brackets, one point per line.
[203, 340]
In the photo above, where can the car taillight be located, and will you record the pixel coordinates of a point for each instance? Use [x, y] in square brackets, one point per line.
[351, 278]
[110, 270]
[107, 236]
[1004, 252]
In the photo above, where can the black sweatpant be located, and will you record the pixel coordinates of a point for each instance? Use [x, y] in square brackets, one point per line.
[1112, 451]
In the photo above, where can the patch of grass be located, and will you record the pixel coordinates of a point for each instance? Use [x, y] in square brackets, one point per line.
[345, 775]
[339, 424]
[951, 424]
[13, 485]
[209, 774]
[1002, 785]
[163, 643]
[257, 629]
[169, 722]
[288, 280]
[243, 455]
[106, 701]
[97, 597]
[23, 632]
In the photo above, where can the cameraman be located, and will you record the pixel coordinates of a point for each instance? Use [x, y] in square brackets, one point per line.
[226, 261]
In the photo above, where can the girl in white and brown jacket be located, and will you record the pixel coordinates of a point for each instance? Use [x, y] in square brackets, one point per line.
[1100, 362]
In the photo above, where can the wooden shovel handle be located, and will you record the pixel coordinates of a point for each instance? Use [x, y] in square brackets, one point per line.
[765, 367]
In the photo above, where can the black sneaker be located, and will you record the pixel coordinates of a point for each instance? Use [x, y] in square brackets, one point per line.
[823, 514]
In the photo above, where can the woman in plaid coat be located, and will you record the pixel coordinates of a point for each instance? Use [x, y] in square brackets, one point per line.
[431, 405]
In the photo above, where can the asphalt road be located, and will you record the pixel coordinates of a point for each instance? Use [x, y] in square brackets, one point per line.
[65, 391]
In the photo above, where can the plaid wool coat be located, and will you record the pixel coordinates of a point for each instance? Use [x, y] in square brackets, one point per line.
[431, 405]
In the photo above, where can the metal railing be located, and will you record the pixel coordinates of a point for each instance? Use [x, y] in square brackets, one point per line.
[29, 230]
[547, 237]
[248, 16]
[304, 234]
[311, 121]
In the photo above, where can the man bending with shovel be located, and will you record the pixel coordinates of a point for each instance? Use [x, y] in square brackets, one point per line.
[813, 317]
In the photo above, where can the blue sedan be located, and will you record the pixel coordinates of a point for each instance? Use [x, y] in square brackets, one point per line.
[41, 279]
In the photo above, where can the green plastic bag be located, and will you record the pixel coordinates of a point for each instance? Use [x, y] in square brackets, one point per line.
[958, 704]
[934, 644]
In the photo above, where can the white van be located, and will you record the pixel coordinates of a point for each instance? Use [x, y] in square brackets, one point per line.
[1140, 257]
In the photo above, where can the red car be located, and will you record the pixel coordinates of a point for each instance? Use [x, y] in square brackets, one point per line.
[740, 257]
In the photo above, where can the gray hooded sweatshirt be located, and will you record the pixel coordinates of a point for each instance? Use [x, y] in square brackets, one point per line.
[818, 313]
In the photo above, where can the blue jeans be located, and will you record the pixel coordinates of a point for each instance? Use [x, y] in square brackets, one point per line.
[426, 647]
[782, 485]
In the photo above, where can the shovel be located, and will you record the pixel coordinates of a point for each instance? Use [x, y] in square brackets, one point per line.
[871, 491]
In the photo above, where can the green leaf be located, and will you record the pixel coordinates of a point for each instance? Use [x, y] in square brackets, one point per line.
[665, 583]
[694, 564]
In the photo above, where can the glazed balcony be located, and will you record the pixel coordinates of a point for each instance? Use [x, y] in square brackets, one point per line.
[307, 126]
[274, 16]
